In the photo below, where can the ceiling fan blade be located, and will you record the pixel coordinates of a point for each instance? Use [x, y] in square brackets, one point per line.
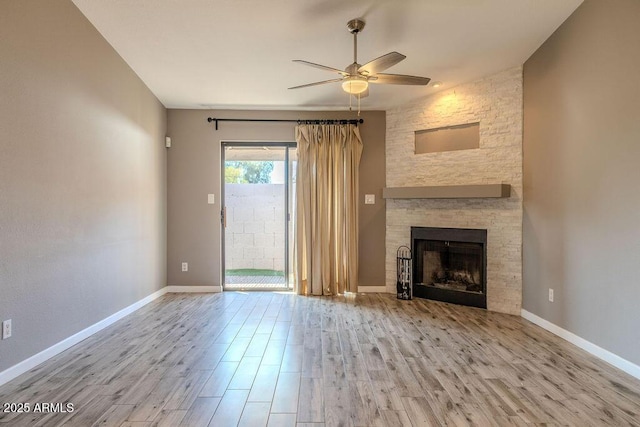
[317, 83]
[322, 67]
[381, 63]
[398, 79]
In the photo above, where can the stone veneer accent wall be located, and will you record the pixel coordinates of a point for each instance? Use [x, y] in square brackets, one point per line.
[496, 103]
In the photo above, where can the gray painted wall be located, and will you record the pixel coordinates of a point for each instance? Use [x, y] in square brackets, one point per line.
[82, 178]
[193, 166]
[581, 176]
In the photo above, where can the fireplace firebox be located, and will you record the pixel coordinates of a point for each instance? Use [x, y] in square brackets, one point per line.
[450, 264]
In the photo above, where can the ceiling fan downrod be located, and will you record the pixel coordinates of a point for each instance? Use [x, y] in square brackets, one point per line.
[355, 26]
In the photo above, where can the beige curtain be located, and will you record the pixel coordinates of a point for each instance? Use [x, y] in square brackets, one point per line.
[326, 245]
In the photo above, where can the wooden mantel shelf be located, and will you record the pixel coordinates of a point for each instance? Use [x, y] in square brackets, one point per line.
[448, 192]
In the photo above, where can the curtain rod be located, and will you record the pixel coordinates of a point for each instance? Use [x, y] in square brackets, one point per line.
[300, 122]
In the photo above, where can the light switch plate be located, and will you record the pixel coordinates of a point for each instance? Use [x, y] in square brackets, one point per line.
[369, 199]
[211, 199]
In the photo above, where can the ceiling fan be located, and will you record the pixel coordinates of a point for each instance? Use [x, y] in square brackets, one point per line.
[356, 78]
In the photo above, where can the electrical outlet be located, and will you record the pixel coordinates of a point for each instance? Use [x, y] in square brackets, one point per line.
[550, 295]
[185, 266]
[6, 329]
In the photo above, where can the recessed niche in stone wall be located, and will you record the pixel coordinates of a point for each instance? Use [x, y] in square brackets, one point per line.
[448, 138]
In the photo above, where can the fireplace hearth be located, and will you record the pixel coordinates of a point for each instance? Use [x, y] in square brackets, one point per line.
[450, 264]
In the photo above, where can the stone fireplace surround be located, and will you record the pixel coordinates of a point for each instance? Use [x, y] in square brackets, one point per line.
[496, 103]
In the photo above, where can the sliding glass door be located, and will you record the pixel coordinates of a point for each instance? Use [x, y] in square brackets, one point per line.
[257, 221]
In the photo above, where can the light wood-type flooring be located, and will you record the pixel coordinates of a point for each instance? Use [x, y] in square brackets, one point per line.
[256, 359]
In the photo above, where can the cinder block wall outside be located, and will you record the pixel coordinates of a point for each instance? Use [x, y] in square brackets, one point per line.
[254, 237]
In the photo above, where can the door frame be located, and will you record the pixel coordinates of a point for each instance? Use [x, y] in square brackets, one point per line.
[287, 145]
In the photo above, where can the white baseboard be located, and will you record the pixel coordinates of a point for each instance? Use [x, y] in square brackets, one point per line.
[611, 358]
[204, 289]
[30, 363]
[370, 289]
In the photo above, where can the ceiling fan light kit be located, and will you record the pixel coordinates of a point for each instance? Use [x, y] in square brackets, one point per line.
[355, 78]
[354, 85]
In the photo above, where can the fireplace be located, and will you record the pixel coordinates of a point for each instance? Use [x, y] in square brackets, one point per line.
[450, 264]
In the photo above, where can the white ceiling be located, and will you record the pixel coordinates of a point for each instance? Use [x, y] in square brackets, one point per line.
[236, 54]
